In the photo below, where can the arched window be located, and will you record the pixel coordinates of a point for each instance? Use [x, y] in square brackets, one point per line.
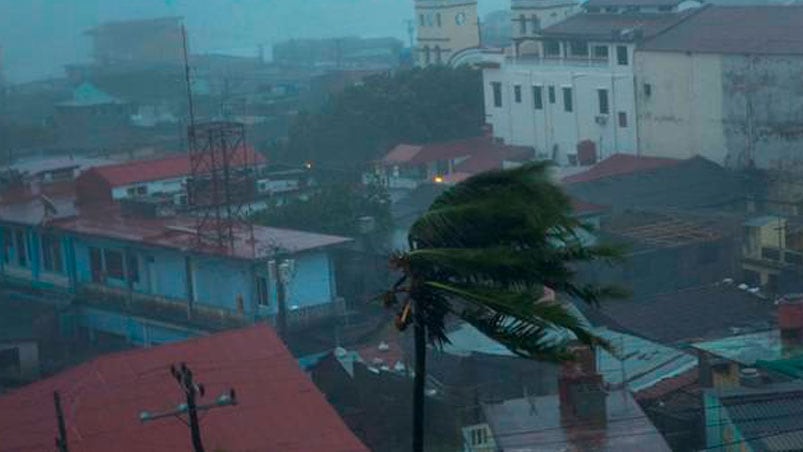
[427, 55]
[522, 24]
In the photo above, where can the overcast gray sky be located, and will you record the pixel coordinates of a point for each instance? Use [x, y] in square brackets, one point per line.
[40, 36]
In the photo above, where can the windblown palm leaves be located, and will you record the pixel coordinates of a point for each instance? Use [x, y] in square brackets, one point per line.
[485, 250]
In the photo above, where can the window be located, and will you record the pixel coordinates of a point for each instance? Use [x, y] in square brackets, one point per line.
[578, 49]
[552, 49]
[21, 247]
[421, 20]
[621, 55]
[262, 291]
[131, 192]
[567, 99]
[438, 59]
[538, 97]
[8, 245]
[517, 94]
[132, 267]
[647, 90]
[96, 264]
[51, 253]
[497, 91]
[10, 359]
[522, 25]
[113, 264]
[438, 19]
[602, 96]
[536, 24]
[601, 52]
[622, 119]
[427, 55]
[142, 190]
[551, 94]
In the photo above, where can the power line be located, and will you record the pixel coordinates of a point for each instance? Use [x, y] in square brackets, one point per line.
[184, 377]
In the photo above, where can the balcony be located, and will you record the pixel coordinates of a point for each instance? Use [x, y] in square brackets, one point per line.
[775, 257]
[548, 61]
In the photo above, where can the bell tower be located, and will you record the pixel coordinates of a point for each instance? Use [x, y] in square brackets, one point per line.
[444, 29]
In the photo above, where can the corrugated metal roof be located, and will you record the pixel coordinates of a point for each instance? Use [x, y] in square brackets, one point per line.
[613, 27]
[278, 406]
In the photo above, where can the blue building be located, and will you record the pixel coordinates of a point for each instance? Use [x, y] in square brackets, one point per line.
[155, 279]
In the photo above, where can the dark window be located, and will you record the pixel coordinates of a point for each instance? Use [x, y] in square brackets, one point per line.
[551, 91]
[602, 95]
[622, 119]
[131, 192]
[114, 264]
[621, 55]
[601, 52]
[647, 90]
[21, 247]
[132, 266]
[8, 245]
[438, 58]
[536, 24]
[421, 20]
[538, 97]
[142, 190]
[427, 55]
[262, 291]
[552, 48]
[96, 264]
[51, 253]
[567, 99]
[522, 24]
[438, 19]
[10, 359]
[517, 94]
[497, 90]
[578, 49]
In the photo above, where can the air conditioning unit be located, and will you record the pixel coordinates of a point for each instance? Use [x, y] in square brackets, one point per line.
[601, 119]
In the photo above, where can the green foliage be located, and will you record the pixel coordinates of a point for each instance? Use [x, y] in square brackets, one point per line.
[414, 106]
[332, 209]
[485, 250]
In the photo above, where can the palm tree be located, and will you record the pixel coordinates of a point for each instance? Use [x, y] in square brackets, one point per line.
[484, 251]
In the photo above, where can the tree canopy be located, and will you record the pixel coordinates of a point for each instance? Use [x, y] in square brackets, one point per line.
[331, 209]
[415, 106]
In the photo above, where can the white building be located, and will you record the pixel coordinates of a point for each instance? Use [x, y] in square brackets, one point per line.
[574, 82]
[529, 17]
[725, 84]
[445, 29]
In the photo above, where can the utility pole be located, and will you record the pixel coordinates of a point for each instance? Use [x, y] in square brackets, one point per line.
[184, 377]
[61, 441]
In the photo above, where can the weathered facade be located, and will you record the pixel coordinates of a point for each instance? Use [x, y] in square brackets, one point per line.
[725, 84]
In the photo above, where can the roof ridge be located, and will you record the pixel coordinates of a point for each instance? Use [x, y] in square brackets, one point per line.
[694, 12]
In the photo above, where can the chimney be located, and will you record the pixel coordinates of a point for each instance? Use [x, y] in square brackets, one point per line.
[790, 323]
[580, 389]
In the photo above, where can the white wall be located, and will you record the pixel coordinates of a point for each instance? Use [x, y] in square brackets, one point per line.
[521, 124]
[682, 116]
[167, 186]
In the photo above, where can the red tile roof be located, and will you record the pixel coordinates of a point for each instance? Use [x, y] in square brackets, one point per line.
[279, 408]
[619, 165]
[469, 147]
[171, 167]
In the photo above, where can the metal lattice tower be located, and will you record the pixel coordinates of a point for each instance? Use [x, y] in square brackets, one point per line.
[221, 181]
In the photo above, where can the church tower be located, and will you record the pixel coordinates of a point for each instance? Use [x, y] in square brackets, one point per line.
[444, 29]
[529, 17]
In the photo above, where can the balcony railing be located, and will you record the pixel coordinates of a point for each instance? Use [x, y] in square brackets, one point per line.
[557, 61]
[778, 256]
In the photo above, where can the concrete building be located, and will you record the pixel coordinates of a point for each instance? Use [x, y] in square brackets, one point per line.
[147, 41]
[445, 29]
[149, 279]
[572, 85]
[725, 84]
